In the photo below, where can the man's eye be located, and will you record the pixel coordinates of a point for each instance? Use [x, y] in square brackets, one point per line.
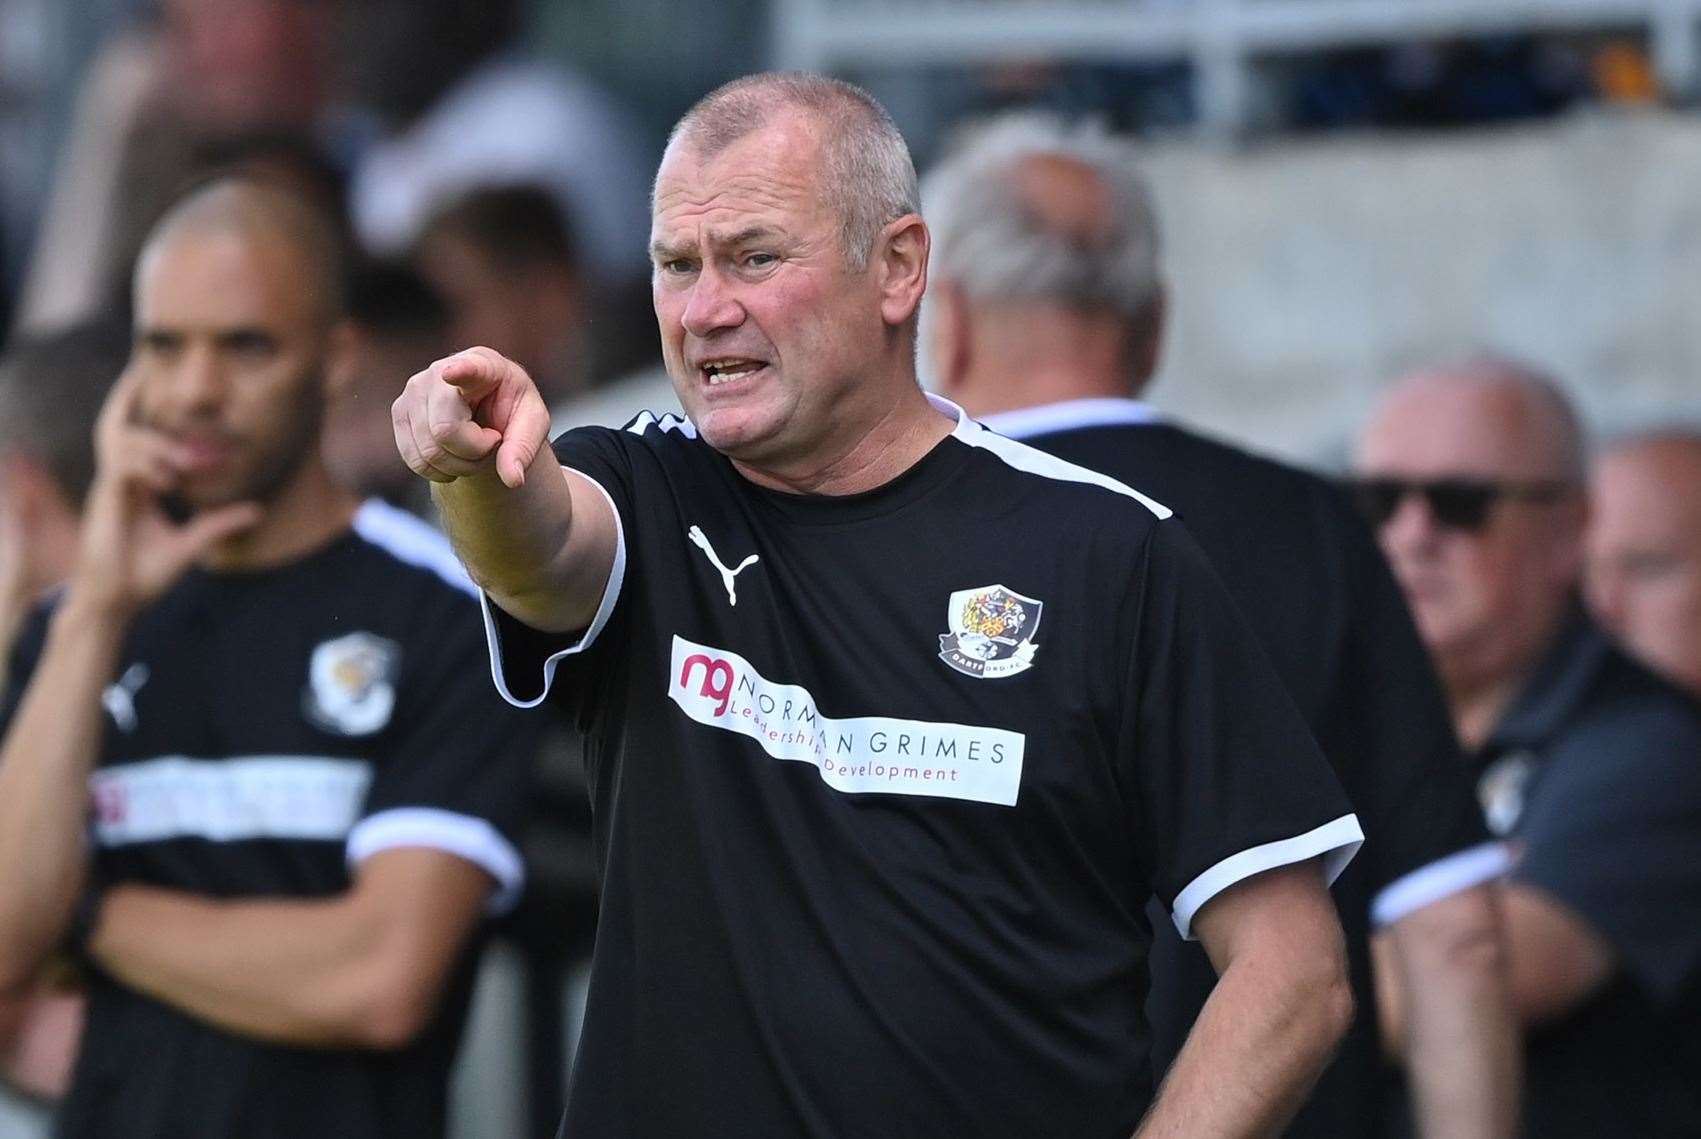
[759, 260]
[677, 265]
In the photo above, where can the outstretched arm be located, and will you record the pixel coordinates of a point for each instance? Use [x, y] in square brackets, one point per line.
[362, 969]
[540, 541]
[1278, 1010]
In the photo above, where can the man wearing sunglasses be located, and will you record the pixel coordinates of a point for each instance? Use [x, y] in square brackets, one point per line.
[1588, 763]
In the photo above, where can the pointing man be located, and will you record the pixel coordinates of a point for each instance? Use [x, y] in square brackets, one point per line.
[876, 841]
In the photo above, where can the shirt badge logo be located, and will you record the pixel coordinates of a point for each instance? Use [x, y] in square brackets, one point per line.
[351, 684]
[119, 699]
[992, 632]
[1502, 791]
[701, 541]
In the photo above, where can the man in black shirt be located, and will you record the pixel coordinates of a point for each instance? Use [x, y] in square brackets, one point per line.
[893, 724]
[1588, 762]
[246, 735]
[1046, 318]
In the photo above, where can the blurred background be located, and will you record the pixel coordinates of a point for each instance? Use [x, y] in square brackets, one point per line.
[1347, 188]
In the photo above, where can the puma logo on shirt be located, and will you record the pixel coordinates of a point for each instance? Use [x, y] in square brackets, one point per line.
[701, 541]
[119, 699]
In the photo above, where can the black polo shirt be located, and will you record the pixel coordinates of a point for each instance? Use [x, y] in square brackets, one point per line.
[266, 733]
[1595, 776]
[882, 784]
[1306, 572]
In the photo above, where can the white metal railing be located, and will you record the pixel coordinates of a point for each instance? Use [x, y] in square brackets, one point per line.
[1221, 38]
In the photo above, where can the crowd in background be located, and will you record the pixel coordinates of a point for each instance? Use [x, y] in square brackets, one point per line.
[488, 198]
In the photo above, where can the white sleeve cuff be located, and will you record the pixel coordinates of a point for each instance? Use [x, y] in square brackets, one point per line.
[461, 835]
[1335, 841]
[1440, 879]
[610, 594]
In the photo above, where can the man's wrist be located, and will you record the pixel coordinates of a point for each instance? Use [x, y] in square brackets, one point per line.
[87, 609]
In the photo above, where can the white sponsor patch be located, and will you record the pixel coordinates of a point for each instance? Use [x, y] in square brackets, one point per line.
[224, 800]
[861, 754]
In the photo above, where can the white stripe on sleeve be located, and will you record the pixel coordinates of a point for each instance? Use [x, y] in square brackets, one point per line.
[1335, 841]
[1440, 879]
[464, 836]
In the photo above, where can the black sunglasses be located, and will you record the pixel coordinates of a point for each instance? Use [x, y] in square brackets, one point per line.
[1456, 503]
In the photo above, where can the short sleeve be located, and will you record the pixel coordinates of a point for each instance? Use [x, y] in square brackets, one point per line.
[1411, 789]
[1612, 830]
[1227, 780]
[523, 660]
[455, 770]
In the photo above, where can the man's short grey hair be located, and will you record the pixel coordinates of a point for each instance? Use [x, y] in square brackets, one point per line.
[993, 246]
[867, 176]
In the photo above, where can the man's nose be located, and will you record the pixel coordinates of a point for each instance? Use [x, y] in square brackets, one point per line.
[197, 381]
[712, 305]
[1411, 528]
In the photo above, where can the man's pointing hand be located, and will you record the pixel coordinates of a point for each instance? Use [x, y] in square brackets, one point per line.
[469, 413]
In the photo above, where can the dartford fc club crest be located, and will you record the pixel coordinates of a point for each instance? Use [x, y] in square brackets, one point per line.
[992, 632]
[351, 684]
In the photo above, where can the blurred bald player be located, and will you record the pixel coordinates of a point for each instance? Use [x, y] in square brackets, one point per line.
[241, 773]
[1644, 550]
[1046, 321]
[1473, 475]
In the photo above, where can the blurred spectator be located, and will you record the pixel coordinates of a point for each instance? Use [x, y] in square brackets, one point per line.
[53, 386]
[398, 325]
[1473, 475]
[156, 101]
[505, 261]
[461, 112]
[1046, 318]
[1644, 568]
[253, 768]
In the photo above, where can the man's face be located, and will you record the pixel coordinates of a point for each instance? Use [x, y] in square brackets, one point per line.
[767, 333]
[232, 347]
[1644, 565]
[1485, 598]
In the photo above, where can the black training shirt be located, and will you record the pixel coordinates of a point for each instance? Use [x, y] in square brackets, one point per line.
[266, 733]
[882, 783]
[1306, 572]
[1595, 776]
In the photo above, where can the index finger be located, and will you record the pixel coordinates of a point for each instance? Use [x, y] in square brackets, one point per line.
[468, 369]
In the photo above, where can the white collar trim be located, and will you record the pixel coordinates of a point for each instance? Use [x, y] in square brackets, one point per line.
[1069, 414]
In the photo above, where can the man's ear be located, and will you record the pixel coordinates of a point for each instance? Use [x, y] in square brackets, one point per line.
[1146, 339]
[1571, 523]
[342, 353]
[901, 252]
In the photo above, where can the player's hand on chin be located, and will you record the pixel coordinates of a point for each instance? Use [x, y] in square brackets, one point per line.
[469, 414]
[131, 550]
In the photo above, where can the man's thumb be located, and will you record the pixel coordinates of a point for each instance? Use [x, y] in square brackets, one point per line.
[512, 459]
[525, 432]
